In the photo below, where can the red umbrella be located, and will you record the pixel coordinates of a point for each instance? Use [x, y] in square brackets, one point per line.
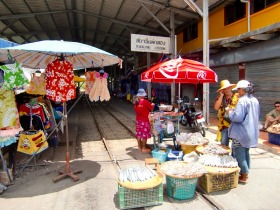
[179, 71]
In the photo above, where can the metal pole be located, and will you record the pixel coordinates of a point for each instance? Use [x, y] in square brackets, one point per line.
[205, 59]
[172, 50]
[149, 85]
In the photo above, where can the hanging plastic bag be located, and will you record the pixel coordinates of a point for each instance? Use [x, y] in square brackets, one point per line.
[170, 127]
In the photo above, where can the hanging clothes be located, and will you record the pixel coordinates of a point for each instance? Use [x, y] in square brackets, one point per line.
[90, 79]
[60, 84]
[37, 85]
[9, 117]
[14, 76]
[34, 109]
[100, 91]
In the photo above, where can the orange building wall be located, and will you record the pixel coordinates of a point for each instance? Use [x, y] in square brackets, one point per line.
[217, 29]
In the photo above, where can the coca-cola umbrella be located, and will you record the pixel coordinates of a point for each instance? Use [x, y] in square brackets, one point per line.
[179, 71]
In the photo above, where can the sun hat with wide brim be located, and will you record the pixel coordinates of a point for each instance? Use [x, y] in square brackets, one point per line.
[242, 84]
[225, 84]
[141, 92]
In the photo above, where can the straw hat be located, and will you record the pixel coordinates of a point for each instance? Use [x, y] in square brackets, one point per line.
[225, 84]
[141, 92]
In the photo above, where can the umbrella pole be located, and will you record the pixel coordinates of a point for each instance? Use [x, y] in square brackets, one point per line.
[67, 172]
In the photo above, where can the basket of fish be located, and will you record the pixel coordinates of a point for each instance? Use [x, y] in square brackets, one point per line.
[223, 172]
[189, 141]
[139, 187]
[181, 178]
[213, 148]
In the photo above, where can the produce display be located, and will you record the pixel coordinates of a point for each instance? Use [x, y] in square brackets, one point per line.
[191, 138]
[135, 174]
[182, 169]
[274, 128]
[213, 148]
[223, 161]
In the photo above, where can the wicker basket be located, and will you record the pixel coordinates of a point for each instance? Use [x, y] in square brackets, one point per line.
[188, 148]
[180, 189]
[217, 181]
[129, 198]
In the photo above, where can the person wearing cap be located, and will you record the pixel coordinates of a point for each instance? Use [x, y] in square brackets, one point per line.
[225, 99]
[273, 117]
[142, 108]
[244, 128]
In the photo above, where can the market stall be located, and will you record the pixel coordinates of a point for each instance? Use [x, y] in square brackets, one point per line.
[59, 58]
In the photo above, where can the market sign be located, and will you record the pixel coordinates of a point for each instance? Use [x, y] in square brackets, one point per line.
[155, 44]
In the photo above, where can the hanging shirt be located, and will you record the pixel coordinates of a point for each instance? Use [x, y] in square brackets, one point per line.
[9, 117]
[13, 76]
[37, 85]
[36, 109]
[90, 78]
[99, 90]
[60, 84]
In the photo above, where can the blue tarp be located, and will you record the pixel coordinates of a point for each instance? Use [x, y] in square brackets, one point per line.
[4, 43]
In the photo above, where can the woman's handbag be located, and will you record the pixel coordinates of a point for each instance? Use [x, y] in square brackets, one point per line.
[31, 142]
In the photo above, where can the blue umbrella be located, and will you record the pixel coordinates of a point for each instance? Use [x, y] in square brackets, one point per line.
[39, 54]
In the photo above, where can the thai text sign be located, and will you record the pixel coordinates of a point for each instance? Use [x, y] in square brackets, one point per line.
[155, 44]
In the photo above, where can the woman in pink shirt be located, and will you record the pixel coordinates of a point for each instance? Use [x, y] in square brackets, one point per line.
[142, 109]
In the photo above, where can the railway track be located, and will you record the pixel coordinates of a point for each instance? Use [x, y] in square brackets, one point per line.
[113, 126]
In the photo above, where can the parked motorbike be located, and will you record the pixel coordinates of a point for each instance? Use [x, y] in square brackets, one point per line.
[192, 118]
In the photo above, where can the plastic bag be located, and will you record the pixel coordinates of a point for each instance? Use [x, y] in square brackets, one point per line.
[170, 127]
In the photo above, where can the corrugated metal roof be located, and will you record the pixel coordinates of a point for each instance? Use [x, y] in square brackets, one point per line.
[106, 24]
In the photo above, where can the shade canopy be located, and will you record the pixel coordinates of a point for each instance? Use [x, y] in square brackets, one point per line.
[40, 54]
[179, 71]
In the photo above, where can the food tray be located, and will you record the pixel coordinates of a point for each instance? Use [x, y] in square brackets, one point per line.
[129, 198]
[200, 150]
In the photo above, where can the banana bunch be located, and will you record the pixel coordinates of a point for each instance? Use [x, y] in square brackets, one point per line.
[136, 173]
[224, 161]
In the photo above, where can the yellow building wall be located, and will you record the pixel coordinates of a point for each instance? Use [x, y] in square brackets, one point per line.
[217, 29]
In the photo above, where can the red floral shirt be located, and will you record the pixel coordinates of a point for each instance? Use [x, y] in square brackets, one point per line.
[60, 84]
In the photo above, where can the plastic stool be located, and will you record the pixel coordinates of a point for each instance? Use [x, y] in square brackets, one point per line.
[152, 161]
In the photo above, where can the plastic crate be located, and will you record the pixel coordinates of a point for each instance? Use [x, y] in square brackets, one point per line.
[180, 189]
[178, 154]
[160, 154]
[274, 138]
[217, 182]
[129, 198]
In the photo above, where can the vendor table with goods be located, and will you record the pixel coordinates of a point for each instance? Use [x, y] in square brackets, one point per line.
[165, 126]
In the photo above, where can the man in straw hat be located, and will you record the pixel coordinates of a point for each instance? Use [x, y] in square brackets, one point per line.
[225, 99]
